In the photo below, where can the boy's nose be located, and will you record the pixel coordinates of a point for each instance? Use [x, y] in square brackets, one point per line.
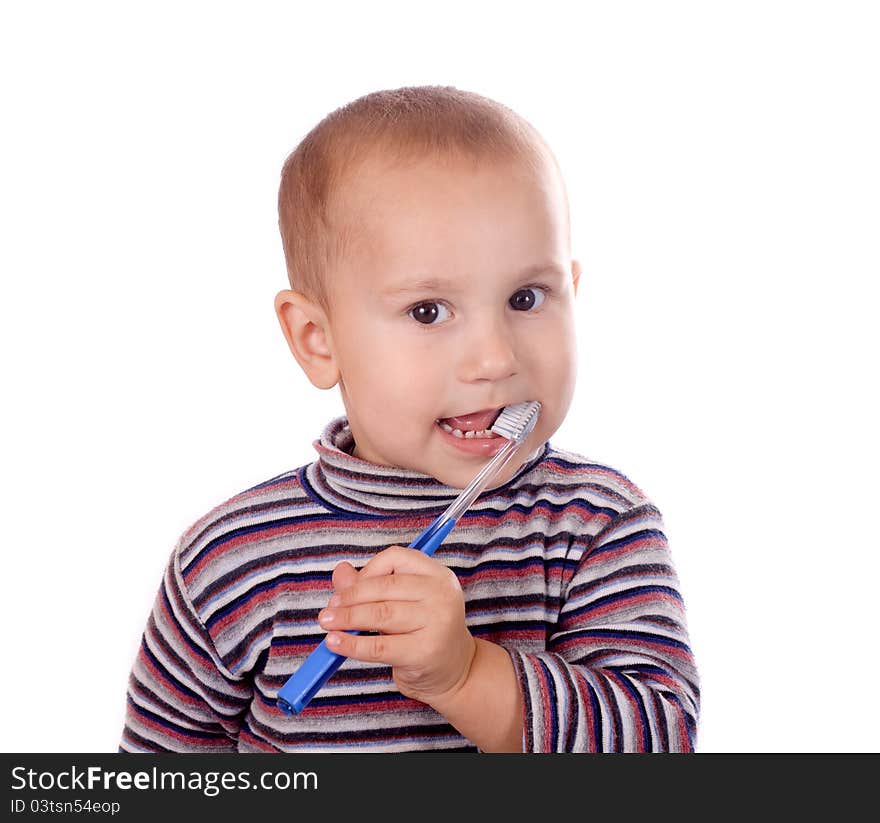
[489, 353]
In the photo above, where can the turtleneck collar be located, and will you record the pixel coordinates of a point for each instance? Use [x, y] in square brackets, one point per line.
[348, 483]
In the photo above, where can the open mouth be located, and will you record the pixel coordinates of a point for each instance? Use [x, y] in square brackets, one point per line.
[472, 425]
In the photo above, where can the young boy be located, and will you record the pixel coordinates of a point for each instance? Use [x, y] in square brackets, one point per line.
[427, 243]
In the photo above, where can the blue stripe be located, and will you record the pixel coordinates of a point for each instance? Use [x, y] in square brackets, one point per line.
[626, 594]
[640, 707]
[259, 589]
[625, 541]
[598, 746]
[621, 634]
[551, 688]
[192, 646]
[256, 528]
[186, 731]
[278, 480]
[161, 667]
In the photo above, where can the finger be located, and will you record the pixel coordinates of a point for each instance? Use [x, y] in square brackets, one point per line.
[344, 575]
[398, 587]
[400, 560]
[387, 616]
[391, 649]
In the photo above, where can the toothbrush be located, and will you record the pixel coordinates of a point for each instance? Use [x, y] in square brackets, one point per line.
[515, 423]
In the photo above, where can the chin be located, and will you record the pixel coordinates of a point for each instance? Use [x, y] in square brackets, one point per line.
[461, 478]
[456, 479]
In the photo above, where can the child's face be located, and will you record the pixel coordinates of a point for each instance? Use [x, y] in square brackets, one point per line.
[498, 330]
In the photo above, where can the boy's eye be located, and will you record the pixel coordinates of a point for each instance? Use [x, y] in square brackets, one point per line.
[527, 298]
[427, 313]
[524, 300]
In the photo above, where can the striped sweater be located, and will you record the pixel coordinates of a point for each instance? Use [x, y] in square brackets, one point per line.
[565, 566]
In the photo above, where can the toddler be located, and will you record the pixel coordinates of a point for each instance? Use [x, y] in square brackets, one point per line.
[426, 236]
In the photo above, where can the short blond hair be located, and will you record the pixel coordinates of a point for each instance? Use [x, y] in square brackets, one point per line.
[404, 123]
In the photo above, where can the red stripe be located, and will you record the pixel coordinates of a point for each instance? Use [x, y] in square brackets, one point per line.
[229, 506]
[165, 731]
[548, 745]
[684, 736]
[257, 742]
[281, 588]
[160, 676]
[589, 715]
[634, 713]
[231, 544]
[360, 708]
[622, 602]
[585, 645]
[184, 640]
[629, 547]
[601, 471]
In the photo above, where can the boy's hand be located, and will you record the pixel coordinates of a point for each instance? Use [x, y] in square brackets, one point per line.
[417, 605]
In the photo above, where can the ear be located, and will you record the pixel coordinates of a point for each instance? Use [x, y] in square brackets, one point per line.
[575, 275]
[307, 331]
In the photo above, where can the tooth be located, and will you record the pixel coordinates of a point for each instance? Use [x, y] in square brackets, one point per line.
[483, 434]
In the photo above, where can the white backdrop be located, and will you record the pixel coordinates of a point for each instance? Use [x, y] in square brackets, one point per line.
[723, 172]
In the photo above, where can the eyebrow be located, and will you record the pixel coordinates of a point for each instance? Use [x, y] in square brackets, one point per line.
[427, 284]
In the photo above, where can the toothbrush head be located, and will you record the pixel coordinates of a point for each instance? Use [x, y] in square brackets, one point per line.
[517, 421]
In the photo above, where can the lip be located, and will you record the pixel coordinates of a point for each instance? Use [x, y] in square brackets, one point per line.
[484, 447]
[480, 411]
[474, 420]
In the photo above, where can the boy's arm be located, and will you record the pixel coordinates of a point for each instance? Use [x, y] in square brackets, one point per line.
[181, 698]
[487, 708]
[618, 673]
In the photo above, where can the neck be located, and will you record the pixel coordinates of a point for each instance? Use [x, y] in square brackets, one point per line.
[348, 483]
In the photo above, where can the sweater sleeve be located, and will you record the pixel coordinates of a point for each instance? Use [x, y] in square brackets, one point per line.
[181, 698]
[618, 674]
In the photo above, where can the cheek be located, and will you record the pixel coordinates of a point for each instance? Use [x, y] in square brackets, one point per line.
[554, 367]
[393, 378]
[556, 350]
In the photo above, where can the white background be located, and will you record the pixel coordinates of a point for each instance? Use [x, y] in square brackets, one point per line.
[722, 165]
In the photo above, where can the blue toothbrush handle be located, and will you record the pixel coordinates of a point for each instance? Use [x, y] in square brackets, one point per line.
[306, 681]
[321, 664]
[428, 541]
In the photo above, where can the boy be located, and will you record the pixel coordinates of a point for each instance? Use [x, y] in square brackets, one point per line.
[427, 243]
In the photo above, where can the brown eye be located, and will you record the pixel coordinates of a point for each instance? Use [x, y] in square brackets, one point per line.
[526, 299]
[427, 313]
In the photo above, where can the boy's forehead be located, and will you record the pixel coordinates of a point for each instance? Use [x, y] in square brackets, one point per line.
[416, 284]
[384, 204]
[390, 250]
[375, 168]
[379, 184]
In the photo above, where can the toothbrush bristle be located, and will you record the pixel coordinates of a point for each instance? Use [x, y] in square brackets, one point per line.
[517, 421]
